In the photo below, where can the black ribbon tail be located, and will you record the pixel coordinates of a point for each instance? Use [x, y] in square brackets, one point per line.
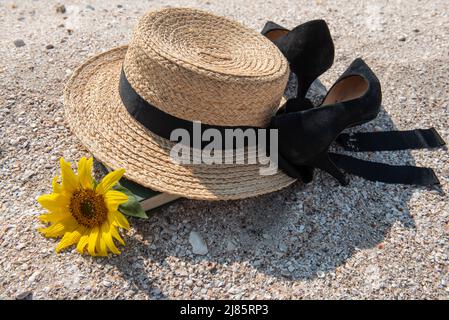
[386, 173]
[391, 140]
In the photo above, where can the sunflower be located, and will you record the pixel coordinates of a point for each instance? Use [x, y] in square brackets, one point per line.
[83, 212]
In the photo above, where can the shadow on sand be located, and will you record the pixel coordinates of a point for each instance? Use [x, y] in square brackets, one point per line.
[301, 232]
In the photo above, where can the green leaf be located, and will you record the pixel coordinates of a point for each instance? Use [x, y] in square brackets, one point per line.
[94, 183]
[132, 207]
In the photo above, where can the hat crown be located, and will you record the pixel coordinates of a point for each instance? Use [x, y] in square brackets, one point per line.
[201, 67]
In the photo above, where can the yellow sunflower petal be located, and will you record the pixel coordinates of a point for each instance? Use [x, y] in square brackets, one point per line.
[109, 181]
[114, 198]
[54, 217]
[69, 179]
[107, 237]
[120, 219]
[83, 242]
[56, 186]
[92, 241]
[68, 239]
[54, 202]
[55, 230]
[60, 228]
[101, 247]
[115, 234]
[85, 172]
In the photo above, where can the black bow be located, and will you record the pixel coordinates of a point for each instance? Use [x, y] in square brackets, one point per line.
[359, 142]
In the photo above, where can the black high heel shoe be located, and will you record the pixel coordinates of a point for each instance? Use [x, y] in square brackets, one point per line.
[308, 47]
[305, 136]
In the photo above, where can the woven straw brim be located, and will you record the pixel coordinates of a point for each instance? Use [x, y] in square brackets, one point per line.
[97, 116]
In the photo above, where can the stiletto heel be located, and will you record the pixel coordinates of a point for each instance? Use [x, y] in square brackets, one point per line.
[304, 83]
[308, 48]
[323, 162]
[305, 134]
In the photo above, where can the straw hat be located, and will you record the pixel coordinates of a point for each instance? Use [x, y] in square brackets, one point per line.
[194, 66]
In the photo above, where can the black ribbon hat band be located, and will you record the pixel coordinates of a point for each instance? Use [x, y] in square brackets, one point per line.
[158, 121]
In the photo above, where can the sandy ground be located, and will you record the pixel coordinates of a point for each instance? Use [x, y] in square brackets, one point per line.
[321, 240]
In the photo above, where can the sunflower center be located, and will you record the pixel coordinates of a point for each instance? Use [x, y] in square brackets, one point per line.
[88, 208]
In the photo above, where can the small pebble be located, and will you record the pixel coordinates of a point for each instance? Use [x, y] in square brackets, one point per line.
[156, 291]
[49, 46]
[198, 245]
[19, 43]
[60, 8]
[28, 174]
[230, 246]
[266, 236]
[129, 293]
[282, 247]
[33, 277]
[24, 295]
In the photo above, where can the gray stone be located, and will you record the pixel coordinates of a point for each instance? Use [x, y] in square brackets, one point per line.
[19, 43]
[230, 246]
[24, 295]
[198, 244]
[282, 247]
